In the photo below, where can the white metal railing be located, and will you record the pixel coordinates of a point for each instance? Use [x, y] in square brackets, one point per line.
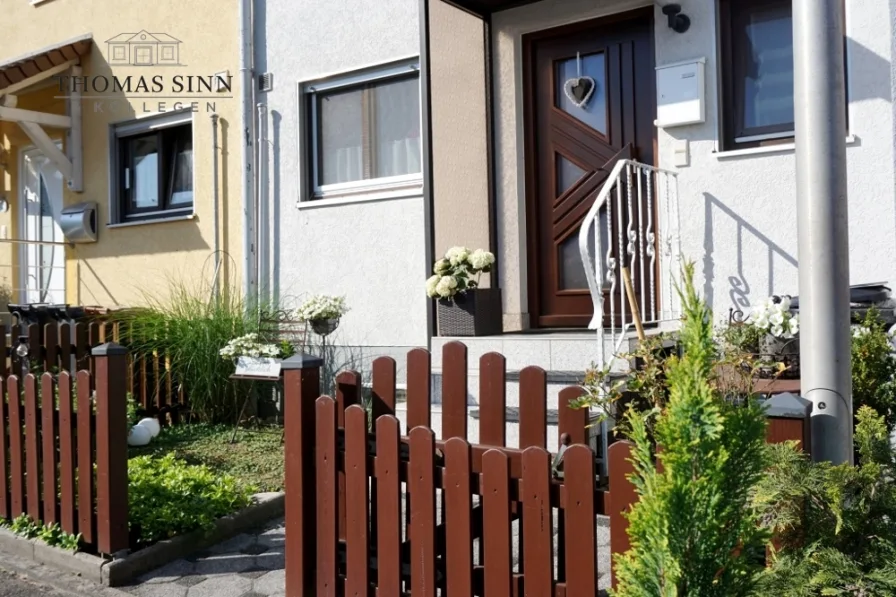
[633, 223]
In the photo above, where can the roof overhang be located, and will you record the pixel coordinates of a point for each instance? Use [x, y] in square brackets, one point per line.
[21, 72]
[483, 8]
[24, 73]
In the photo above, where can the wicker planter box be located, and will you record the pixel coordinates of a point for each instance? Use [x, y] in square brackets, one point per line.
[474, 313]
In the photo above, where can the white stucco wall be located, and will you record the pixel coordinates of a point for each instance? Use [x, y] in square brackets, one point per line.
[370, 251]
[738, 213]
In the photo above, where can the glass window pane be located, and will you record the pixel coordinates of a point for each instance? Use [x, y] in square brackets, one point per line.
[568, 174]
[594, 112]
[182, 170]
[142, 178]
[397, 133]
[768, 74]
[340, 137]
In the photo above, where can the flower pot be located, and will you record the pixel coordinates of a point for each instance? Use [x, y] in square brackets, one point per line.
[780, 350]
[473, 313]
[324, 327]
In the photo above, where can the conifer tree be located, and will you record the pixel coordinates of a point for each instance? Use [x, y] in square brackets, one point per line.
[693, 532]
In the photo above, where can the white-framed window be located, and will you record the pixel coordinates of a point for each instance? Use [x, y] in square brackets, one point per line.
[363, 130]
[167, 53]
[151, 168]
[119, 53]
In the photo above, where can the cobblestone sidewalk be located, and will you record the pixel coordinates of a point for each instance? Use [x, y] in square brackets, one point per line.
[249, 565]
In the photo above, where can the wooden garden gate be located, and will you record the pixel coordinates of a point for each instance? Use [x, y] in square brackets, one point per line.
[371, 511]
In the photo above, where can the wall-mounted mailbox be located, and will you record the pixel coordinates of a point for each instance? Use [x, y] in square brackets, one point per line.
[680, 93]
[78, 223]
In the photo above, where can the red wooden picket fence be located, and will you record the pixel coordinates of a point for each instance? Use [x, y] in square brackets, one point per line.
[67, 346]
[63, 448]
[376, 509]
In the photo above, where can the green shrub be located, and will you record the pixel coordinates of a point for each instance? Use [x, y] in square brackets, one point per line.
[874, 369]
[191, 327]
[692, 532]
[835, 525]
[168, 497]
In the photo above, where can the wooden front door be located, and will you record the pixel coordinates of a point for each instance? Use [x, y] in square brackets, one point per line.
[572, 148]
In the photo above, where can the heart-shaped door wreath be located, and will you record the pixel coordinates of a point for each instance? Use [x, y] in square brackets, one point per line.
[580, 88]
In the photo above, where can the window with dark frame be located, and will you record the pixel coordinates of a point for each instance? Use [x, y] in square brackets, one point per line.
[757, 72]
[364, 131]
[155, 173]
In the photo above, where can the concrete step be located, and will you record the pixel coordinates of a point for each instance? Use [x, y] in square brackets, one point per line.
[556, 382]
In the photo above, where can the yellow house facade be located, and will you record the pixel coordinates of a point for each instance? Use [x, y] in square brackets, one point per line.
[120, 149]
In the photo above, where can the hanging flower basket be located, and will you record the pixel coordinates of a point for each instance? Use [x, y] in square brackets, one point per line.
[324, 327]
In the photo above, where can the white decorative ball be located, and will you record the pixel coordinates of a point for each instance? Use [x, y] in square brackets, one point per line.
[139, 436]
[151, 424]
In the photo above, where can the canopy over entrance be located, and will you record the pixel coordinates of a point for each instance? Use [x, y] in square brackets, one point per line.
[23, 74]
[487, 7]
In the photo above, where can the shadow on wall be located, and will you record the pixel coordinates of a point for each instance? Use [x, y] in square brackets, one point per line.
[739, 287]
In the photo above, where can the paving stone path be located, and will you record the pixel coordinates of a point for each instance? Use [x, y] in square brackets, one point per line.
[248, 565]
[252, 565]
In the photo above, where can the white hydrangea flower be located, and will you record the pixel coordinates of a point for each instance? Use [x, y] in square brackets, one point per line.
[777, 319]
[777, 331]
[481, 259]
[431, 284]
[785, 303]
[441, 266]
[457, 255]
[446, 286]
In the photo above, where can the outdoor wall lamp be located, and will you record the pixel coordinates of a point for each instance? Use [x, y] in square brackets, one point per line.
[678, 22]
[22, 351]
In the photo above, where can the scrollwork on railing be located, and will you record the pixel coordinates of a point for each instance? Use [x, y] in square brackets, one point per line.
[624, 199]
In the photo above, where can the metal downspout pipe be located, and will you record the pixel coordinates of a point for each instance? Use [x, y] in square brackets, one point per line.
[215, 207]
[261, 221]
[247, 156]
[822, 223]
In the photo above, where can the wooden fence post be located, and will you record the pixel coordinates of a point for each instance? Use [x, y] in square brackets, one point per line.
[788, 419]
[301, 387]
[111, 448]
[622, 497]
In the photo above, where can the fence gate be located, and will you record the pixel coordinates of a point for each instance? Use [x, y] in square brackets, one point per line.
[371, 511]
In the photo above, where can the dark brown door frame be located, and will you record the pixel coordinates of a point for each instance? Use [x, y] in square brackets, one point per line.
[530, 132]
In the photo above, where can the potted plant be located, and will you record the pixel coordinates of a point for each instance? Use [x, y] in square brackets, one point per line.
[465, 309]
[780, 328]
[323, 313]
[251, 350]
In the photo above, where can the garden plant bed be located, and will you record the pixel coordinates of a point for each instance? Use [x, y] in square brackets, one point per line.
[125, 567]
[255, 458]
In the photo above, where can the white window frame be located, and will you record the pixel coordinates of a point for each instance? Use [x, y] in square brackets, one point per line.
[308, 117]
[129, 128]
